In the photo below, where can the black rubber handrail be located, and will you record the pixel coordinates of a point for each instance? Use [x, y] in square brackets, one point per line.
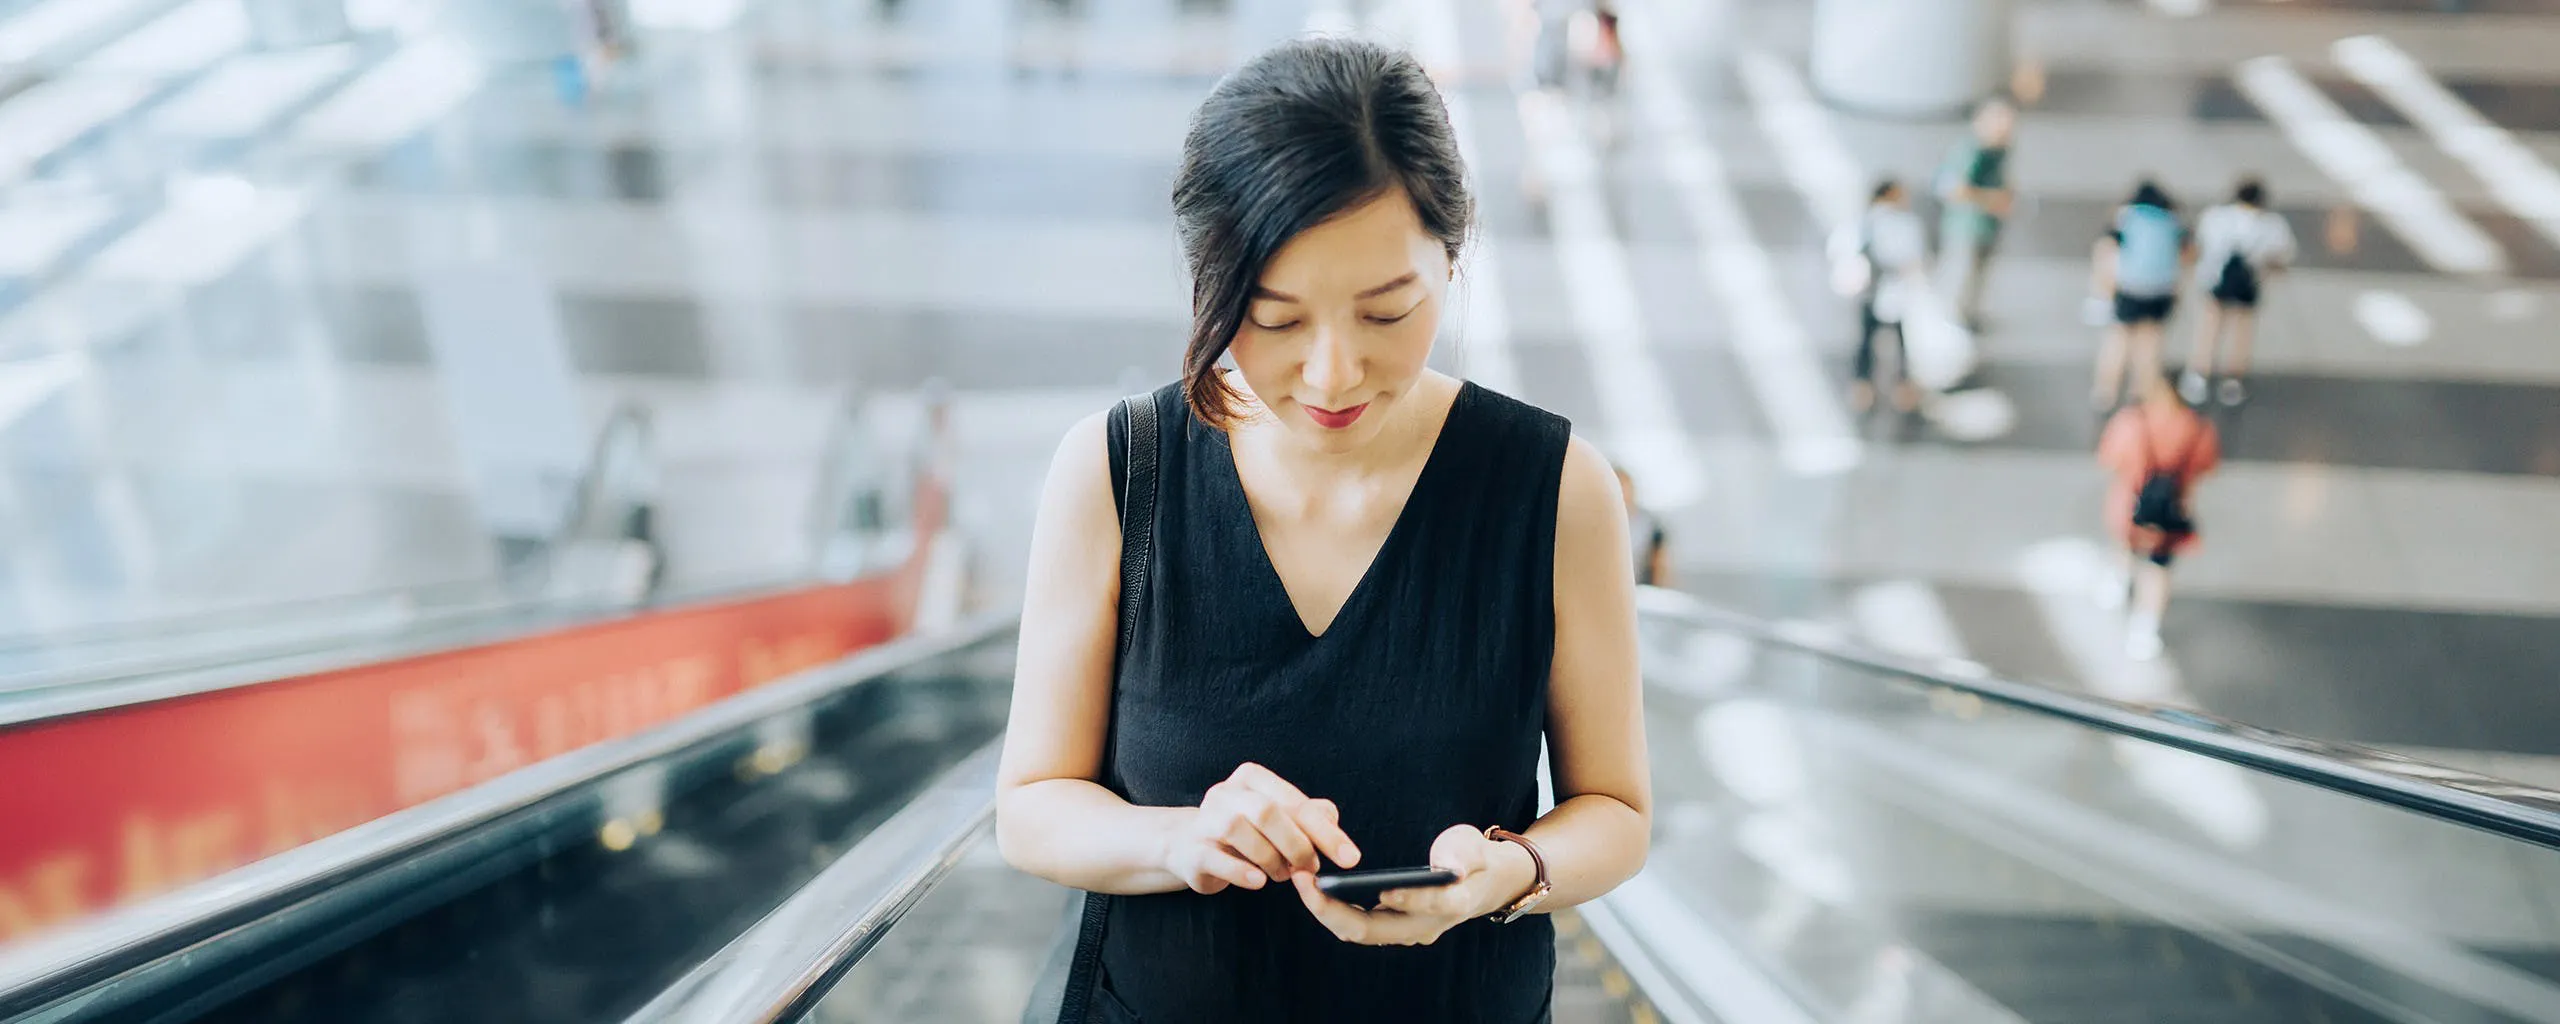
[2515, 810]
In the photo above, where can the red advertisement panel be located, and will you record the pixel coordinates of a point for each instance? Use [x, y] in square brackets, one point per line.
[111, 806]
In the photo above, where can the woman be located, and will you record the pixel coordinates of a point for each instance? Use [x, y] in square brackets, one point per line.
[2139, 261]
[2153, 452]
[2244, 244]
[1376, 595]
[1887, 254]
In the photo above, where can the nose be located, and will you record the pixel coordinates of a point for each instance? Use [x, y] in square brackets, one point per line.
[1332, 369]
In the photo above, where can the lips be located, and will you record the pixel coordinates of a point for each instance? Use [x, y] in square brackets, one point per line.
[1336, 419]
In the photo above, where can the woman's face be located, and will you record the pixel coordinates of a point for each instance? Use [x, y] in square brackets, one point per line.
[1341, 323]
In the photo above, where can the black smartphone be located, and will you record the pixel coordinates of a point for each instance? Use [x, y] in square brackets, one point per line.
[1361, 888]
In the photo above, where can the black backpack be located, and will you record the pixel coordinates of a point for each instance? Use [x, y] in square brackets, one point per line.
[2239, 280]
[2162, 503]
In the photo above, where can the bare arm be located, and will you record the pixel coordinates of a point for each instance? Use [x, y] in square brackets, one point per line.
[1053, 819]
[1598, 833]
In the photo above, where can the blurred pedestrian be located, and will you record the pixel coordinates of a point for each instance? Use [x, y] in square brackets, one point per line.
[1973, 184]
[2243, 245]
[1883, 258]
[2139, 262]
[2154, 453]
[1647, 542]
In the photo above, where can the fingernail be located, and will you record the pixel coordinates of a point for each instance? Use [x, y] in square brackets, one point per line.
[1254, 879]
[1346, 853]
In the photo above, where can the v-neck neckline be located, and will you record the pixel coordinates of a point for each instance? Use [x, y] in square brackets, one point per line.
[1368, 574]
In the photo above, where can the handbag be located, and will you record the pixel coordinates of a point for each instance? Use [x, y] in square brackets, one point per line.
[1133, 425]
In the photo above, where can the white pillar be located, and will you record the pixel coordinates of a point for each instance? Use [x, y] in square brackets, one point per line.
[1910, 57]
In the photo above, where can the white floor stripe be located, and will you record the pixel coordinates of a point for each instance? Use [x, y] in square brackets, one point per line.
[1641, 428]
[2393, 319]
[1799, 128]
[204, 232]
[176, 43]
[2522, 182]
[40, 121]
[247, 94]
[1777, 356]
[37, 30]
[1484, 336]
[35, 234]
[396, 99]
[25, 384]
[1642, 421]
[2358, 159]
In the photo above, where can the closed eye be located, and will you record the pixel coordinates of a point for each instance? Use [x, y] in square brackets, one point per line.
[1260, 326]
[1408, 311]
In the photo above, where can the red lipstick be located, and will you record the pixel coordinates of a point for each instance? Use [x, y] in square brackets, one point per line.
[1336, 419]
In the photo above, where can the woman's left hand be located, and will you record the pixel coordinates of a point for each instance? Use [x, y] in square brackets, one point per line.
[1491, 875]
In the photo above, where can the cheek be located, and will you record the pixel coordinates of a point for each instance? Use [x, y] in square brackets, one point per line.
[1406, 347]
[1260, 359]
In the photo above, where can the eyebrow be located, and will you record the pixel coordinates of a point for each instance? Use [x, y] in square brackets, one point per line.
[1409, 277]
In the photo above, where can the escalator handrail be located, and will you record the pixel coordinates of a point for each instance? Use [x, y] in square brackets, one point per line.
[53, 967]
[2515, 810]
[779, 969]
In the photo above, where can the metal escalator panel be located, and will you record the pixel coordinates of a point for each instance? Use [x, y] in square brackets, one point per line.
[571, 891]
[1910, 840]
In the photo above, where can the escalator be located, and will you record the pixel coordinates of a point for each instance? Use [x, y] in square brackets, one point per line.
[1841, 836]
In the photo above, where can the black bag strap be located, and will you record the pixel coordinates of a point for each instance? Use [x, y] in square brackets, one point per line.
[1134, 433]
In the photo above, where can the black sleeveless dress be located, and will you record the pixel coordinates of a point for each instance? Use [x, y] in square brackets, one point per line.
[1422, 706]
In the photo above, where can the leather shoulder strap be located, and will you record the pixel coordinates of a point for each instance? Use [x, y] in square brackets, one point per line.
[1137, 509]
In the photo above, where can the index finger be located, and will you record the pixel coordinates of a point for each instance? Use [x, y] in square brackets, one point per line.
[1322, 822]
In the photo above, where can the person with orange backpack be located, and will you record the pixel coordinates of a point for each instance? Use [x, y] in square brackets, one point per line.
[2154, 452]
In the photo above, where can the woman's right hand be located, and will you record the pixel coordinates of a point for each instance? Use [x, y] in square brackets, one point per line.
[1253, 828]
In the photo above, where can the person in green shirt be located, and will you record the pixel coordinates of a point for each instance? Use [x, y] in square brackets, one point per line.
[1973, 186]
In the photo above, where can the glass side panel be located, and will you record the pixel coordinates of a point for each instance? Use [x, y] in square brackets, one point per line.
[1880, 846]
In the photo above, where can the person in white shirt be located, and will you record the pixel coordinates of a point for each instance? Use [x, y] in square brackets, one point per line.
[2243, 245]
[1884, 258]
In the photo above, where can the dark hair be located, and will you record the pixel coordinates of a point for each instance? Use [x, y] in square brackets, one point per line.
[1885, 187]
[2148, 193]
[1306, 131]
[2252, 192]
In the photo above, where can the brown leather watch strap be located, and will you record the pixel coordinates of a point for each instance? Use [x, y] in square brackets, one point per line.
[1538, 890]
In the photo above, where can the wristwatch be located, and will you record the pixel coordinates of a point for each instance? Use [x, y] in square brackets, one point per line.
[1537, 894]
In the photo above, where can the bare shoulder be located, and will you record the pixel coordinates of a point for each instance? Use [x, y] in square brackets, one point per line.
[1077, 495]
[1590, 510]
